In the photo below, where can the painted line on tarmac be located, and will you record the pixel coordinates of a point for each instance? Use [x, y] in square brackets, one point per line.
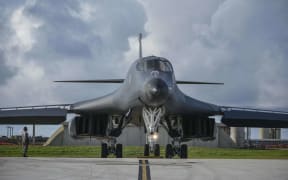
[144, 170]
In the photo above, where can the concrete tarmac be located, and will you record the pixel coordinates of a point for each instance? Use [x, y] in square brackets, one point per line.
[171, 169]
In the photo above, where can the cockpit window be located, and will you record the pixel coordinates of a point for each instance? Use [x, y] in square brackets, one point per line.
[140, 66]
[154, 65]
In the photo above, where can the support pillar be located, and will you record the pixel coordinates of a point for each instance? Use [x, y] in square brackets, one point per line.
[248, 136]
[237, 135]
[33, 136]
[278, 133]
[275, 133]
[264, 133]
[9, 131]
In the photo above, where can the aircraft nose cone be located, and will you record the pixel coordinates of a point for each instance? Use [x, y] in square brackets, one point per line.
[156, 91]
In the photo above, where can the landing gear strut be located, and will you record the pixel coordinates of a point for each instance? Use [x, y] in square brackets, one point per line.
[114, 129]
[152, 117]
[173, 125]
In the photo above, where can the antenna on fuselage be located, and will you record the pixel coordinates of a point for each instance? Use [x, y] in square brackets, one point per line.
[140, 45]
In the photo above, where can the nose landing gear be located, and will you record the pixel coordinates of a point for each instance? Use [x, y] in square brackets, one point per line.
[152, 117]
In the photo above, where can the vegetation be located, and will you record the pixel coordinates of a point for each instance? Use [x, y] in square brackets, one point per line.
[137, 151]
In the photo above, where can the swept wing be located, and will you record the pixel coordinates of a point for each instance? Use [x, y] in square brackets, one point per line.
[122, 80]
[249, 117]
[44, 114]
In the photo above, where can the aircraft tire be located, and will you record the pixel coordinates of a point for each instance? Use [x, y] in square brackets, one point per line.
[157, 150]
[119, 151]
[184, 151]
[104, 150]
[146, 150]
[169, 151]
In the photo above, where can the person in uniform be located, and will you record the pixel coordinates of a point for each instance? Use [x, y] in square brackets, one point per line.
[25, 141]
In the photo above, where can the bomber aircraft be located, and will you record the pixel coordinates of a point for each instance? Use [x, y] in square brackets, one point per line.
[148, 96]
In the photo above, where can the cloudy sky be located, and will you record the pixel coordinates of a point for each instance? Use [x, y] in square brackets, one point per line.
[243, 43]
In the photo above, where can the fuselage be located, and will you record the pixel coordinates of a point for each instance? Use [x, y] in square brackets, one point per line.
[155, 79]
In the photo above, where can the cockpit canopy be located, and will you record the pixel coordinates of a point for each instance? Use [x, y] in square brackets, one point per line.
[156, 64]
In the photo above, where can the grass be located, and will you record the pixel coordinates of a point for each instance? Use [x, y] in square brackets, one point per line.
[137, 151]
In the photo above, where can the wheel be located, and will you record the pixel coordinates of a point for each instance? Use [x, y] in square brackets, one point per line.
[104, 150]
[184, 151]
[146, 150]
[169, 151]
[157, 150]
[119, 151]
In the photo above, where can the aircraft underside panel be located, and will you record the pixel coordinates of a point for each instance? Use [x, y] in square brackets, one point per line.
[197, 127]
[91, 125]
[254, 118]
[97, 125]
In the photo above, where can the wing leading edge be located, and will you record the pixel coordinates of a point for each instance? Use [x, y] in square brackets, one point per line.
[122, 80]
[93, 81]
[246, 117]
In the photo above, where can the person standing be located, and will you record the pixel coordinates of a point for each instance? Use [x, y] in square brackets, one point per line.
[25, 141]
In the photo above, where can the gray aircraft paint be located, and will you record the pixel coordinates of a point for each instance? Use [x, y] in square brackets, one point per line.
[133, 93]
[130, 96]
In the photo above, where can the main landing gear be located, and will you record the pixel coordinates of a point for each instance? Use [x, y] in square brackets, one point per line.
[111, 148]
[176, 149]
[173, 125]
[114, 129]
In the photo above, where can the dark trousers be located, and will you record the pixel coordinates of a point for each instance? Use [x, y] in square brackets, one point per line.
[24, 150]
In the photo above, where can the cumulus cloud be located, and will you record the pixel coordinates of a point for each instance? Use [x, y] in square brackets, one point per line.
[240, 43]
[43, 41]
[54, 40]
[5, 71]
